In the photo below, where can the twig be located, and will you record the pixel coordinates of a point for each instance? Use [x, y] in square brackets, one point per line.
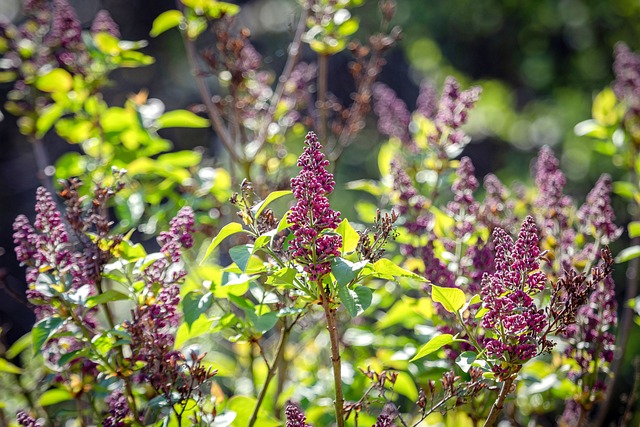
[323, 71]
[216, 119]
[499, 403]
[292, 60]
[330, 316]
[42, 162]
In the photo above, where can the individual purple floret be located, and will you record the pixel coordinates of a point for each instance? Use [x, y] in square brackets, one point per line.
[25, 420]
[312, 215]
[596, 215]
[103, 22]
[507, 294]
[393, 115]
[295, 417]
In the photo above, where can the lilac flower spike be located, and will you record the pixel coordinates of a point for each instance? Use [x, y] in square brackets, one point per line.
[383, 420]
[312, 214]
[507, 294]
[103, 22]
[393, 115]
[627, 70]
[596, 215]
[118, 409]
[295, 417]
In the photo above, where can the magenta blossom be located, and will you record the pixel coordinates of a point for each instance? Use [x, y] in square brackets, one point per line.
[508, 295]
[313, 219]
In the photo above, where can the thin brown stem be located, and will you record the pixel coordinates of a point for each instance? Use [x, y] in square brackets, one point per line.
[271, 369]
[42, 162]
[496, 409]
[334, 338]
[217, 123]
[292, 60]
[323, 79]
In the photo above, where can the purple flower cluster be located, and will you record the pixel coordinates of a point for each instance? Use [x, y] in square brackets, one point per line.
[295, 417]
[118, 409]
[592, 335]
[312, 215]
[45, 249]
[452, 113]
[25, 420]
[496, 209]
[552, 206]
[427, 102]
[626, 68]
[508, 295]
[464, 208]
[104, 23]
[412, 206]
[383, 420]
[393, 115]
[596, 215]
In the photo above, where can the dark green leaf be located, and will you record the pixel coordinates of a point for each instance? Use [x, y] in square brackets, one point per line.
[43, 330]
[194, 304]
[241, 255]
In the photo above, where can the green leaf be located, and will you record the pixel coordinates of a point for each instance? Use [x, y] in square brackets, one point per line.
[452, 299]
[386, 267]
[465, 360]
[19, 346]
[434, 344]
[47, 118]
[265, 322]
[52, 397]
[181, 119]
[56, 80]
[604, 107]
[365, 296]
[194, 304]
[243, 407]
[345, 271]
[367, 185]
[130, 251]
[350, 236]
[6, 366]
[233, 284]
[625, 189]
[257, 209]
[241, 255]
[43, 330]
[634, 229]
[182, 159]
[199, 327]
[107, 43]
[106, 296]
[165, 21]
[355, 301]
[628, 254]
[226, 231]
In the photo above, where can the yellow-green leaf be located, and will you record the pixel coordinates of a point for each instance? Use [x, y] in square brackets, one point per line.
[226, 231]
[350, 236]
[434, 344]
[181, 119]
[56, 80]
[452, 299]
[166, 21]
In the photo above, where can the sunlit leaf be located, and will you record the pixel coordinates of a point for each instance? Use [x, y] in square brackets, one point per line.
[165, 21]
[181, 119]
[434, 344]
[452, 299]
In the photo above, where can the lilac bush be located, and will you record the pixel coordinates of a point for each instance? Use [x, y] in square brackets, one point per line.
[452, 298]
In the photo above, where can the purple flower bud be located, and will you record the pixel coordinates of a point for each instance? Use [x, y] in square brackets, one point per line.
[295, 417]
[25, 420]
